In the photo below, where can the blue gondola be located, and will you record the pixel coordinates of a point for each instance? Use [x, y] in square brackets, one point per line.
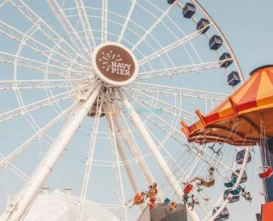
[231, 183]
[188, 10]
[233, 198]
[224, 215]
[233, 78]
[240, 157]
[236, 191]
[167, 201]
[244, 177]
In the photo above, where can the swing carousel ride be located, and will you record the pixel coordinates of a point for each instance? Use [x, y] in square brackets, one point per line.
[94, 92]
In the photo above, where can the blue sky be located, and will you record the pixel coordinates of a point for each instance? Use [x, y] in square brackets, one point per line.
[248, 27]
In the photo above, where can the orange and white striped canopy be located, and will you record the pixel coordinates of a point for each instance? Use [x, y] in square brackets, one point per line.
[242, 118]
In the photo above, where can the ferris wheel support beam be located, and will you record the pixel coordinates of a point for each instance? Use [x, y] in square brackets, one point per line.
[155, 152]
[40, 133]
[89, 163]
[178, 139]
[117, 169]
[148, 176]
[28, 194]
[128, 170]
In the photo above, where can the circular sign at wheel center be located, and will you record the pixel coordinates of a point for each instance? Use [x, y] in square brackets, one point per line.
[114, 64]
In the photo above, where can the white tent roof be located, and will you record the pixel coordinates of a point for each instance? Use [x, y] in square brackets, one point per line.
[56, 206]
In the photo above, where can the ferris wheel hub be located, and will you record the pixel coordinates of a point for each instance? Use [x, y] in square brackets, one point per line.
[114, 64]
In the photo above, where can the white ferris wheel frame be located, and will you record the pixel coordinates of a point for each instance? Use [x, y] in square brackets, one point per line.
[34, 184]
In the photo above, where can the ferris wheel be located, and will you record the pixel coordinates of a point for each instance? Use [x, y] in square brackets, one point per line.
[93, 93]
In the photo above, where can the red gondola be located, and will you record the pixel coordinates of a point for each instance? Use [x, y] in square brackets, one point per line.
[188, 188]
[267, 172]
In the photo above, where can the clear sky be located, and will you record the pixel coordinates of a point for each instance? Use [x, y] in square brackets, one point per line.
[246, 25]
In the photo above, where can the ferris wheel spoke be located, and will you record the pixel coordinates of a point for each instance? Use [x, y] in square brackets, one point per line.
[124, 26]
[178, 137]
[186, 114]
[35, 106]
[67, 26]
[15, 169]
[38, 84]
[173, 71]
[163, 124]
[104, 21]
[171, 46]
[37, 135]
[155, 24]
[89, 162]
[127, 135]
[178, 91]
[3, 3]
[47, 30]
[18, 172]
[139, 159]
[152, 108]
[128, 169]
[27, 63]
[35, 45]
[86, 25]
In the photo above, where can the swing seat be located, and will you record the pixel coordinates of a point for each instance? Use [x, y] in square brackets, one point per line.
[188, 188]
[138, 199]
[185, 199]
[152, 192]
[208, 183]
[236, 191]
[167, 201]
[231, 183]
[173, 206]
[152, 204]
[268, 172]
